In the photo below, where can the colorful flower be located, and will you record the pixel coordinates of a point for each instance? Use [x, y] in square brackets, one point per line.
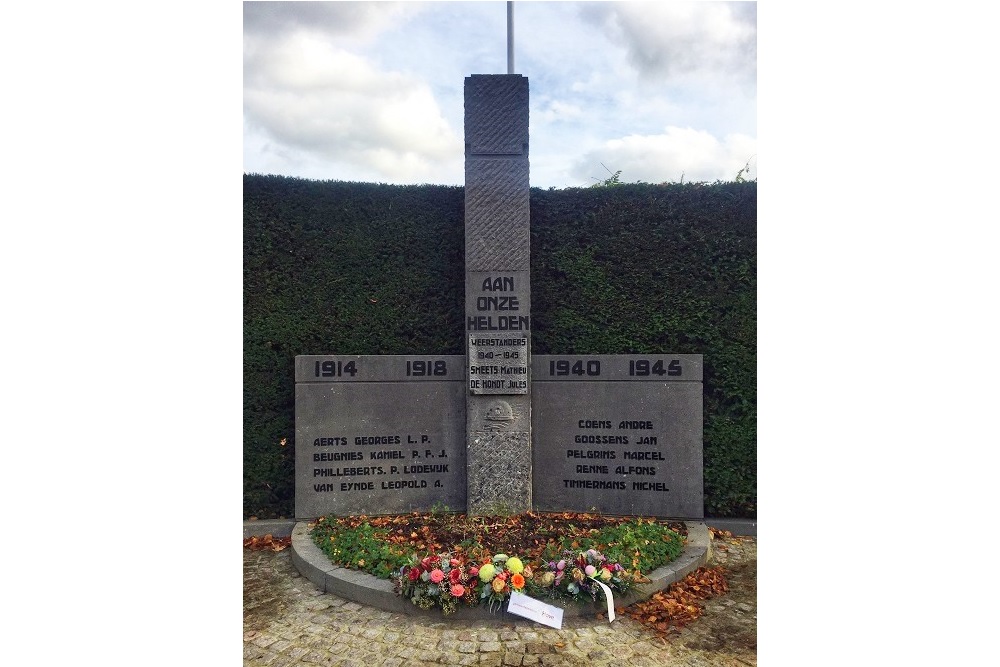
[445, 581]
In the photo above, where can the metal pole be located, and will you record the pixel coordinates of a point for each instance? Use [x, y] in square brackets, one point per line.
[510, 38]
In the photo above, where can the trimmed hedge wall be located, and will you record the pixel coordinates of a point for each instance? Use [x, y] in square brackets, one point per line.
[358, 268]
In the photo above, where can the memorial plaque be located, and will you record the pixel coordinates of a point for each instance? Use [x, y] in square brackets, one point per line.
[498, 328]
[379, 434]
[618, 434]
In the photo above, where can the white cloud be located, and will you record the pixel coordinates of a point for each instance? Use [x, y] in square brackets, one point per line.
[675, 39]
[694, 154]
[359, 22]
[304, 93]
[556, 111]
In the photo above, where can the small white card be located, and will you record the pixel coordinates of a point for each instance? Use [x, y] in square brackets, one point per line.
[535, 610]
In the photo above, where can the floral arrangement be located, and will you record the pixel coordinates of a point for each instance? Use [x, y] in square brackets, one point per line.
[501, 576]
[445, 581]
[574, 576]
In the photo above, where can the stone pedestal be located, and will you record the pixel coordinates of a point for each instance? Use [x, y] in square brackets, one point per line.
[498, 294]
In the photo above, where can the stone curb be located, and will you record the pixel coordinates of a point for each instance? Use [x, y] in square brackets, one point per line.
[272, 527]
[366, 589]
[738, 527]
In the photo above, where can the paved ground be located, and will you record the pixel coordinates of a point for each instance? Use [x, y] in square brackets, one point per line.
[288, 621]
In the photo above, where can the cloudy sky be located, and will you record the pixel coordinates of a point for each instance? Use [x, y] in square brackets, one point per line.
[373, 91]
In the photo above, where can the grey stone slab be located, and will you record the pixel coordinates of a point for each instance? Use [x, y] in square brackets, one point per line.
[338, 369]
[381, 447]
[496, 114]
[499, 472]
[617, 368]
[618, 447]
[498, 294]
[497, 214]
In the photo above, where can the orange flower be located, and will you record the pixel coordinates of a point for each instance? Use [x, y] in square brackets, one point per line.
[498, 585]
[517, 582]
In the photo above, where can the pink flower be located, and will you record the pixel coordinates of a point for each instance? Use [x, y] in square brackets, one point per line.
[454, 562]
[437, 576]
[590, 570]
[458, 590]
[473, 571]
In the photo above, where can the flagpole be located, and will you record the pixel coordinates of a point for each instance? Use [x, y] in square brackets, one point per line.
[510, 38]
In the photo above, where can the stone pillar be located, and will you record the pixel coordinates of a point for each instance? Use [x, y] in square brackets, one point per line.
[497, 294]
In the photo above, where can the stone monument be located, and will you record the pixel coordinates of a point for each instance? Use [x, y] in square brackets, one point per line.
[497, 294]
[387, 434]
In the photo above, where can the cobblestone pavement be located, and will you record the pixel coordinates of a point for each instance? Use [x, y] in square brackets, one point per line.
[288, 621]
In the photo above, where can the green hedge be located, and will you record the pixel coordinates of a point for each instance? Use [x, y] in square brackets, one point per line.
[359, 268]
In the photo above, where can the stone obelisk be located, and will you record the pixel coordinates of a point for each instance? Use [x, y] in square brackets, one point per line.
[497, 294]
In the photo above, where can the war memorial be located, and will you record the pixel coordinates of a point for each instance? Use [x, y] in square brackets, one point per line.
[498, 430]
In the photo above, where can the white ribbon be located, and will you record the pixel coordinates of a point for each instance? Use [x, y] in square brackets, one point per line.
[609, 598]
